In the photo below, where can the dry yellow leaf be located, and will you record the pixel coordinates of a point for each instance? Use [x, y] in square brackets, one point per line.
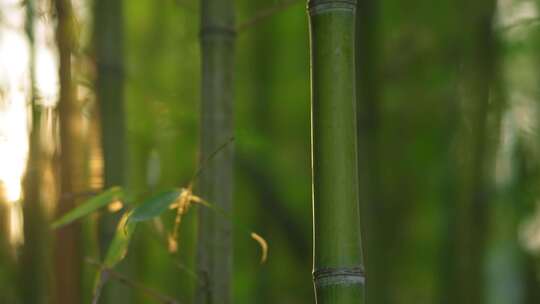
[263, 244]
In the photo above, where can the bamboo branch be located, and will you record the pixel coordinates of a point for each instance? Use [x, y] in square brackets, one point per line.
[130, 283]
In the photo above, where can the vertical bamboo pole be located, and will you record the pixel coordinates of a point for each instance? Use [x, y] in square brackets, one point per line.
[109, 51]
[33, 268]
[477, 135]
[34, 254]
[214, 252]
[338, 273]
[108, 39]
[67, 255]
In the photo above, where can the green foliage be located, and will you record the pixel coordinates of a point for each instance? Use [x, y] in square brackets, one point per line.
[89, 206]
[116, 252]
[413, 107]
[119, 245]
[154, 206]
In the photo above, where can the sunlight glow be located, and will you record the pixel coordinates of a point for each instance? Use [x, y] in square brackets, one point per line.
[16, 233]
[14, 84]
[15, 99]
[529, 232]
[46, 76]
[513, 13]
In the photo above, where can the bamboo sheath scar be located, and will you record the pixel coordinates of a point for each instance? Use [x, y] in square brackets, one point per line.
[338, 272]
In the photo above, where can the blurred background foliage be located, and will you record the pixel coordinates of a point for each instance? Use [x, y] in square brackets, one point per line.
[417, 64]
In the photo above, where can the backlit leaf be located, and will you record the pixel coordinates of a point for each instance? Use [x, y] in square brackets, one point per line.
[120, 243]
[154, 206]
[89, 206]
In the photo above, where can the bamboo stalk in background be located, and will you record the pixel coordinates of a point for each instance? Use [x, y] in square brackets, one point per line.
[338, 272]
[109, 51]
[67, 245]
[8, 286]
[475, 158]
[34, 274]
[33, 266]
[108, 39]
[214, 249]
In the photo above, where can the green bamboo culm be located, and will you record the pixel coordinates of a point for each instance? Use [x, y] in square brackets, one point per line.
[67, 242]
[214, 248]
[108, 39]
[33, 266]
[338, 272]
[477, 136]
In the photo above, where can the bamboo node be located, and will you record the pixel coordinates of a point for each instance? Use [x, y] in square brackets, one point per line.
[217, 30]
[338, 276]
[316, 7]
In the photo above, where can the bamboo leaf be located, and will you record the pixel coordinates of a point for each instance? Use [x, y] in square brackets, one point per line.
[154, 206]
[89, 206]
[119, 245]
[116, 253]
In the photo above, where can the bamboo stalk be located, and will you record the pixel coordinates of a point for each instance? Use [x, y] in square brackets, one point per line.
[108, 38]
[476, 141]
[33, 265]
[338, 271]
[214, 248]
[109, 51]
[67, 257]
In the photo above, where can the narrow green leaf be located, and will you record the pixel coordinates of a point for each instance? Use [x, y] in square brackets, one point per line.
[89, 206]
[154, 206]
[117, 252]
[119, 245]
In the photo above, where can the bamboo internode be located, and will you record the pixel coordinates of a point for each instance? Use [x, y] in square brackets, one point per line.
[338, 274]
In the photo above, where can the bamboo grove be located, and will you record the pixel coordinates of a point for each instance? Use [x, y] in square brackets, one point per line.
[287, 151]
